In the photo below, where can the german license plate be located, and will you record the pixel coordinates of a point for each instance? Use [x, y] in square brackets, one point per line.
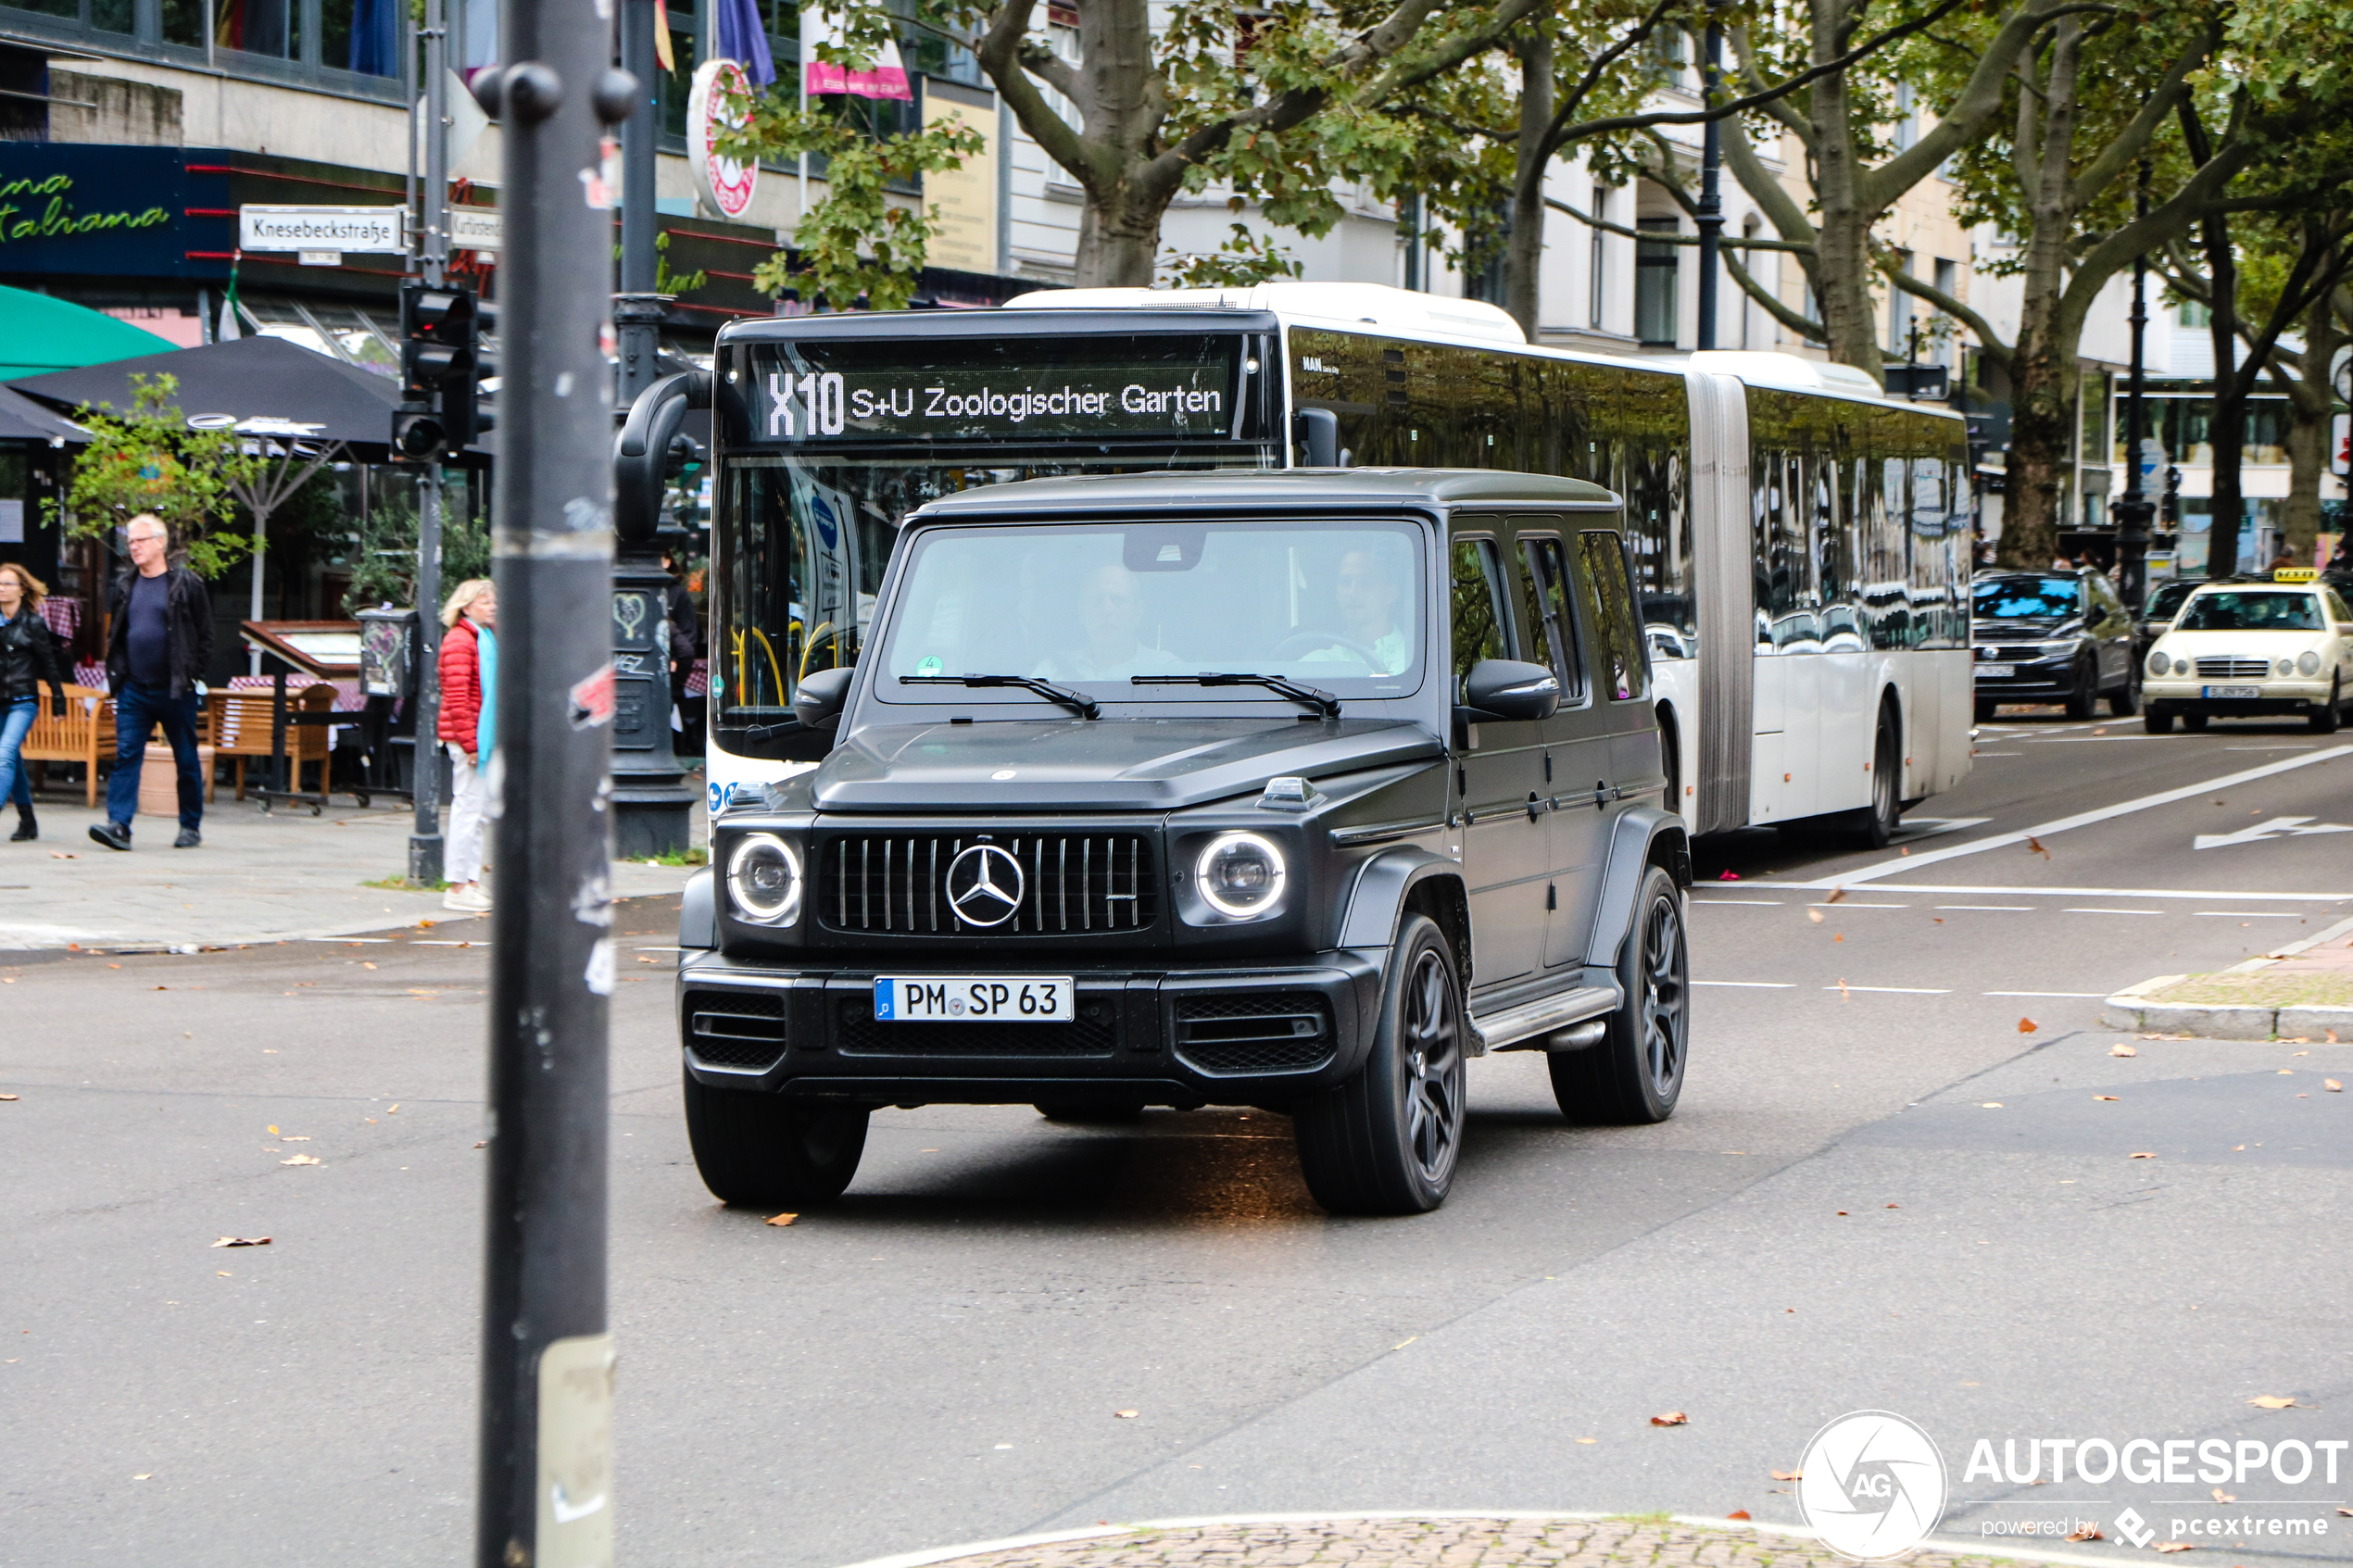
[974, 999]
[2228, 692]
[1998, 672]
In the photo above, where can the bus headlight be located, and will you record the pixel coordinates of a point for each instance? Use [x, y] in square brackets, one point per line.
[2308, 663]
[1240, 876]
[763, 880]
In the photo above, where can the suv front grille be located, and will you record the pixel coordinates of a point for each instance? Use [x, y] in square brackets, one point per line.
[1265, 1032]
[1093, 1032]
[739, 1029]
[2227, 669]
[1071, 883]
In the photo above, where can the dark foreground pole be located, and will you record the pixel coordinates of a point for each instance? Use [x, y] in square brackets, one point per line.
[545, 1494]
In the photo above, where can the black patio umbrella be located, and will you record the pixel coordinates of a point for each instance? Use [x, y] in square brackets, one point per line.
[23, 420]
[286, 390]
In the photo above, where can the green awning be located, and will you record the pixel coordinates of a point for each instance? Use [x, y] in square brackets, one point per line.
[39, 334]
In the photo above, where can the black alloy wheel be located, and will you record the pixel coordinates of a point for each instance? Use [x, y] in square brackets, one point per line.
[1635, 1074]
[2324, 720]
[765, 1150]
[2084, 697]
[1871, 826]
[1386, 1142]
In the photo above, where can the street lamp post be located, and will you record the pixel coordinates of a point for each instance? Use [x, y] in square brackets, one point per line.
[1710, 217]
[424, 837]
[2135, 509]
[545, 1492]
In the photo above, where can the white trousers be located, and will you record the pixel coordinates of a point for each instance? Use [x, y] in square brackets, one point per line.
[468, 796]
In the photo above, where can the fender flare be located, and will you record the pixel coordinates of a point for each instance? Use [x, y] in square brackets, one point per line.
[1383, 884]
[698, 912]
[1642, 836]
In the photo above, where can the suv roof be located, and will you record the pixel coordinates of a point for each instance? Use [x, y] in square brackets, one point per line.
[1319, 488]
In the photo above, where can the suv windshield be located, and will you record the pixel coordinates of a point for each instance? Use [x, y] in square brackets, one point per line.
[2025, 598]
[2166, 602]
[2251, 612]
[1333, 606]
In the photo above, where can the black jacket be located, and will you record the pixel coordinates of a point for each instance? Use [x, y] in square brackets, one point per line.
[190, 629]
[27, 657]
[678, 604]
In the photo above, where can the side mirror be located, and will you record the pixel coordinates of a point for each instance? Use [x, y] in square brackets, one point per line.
[1315, 431]
[1508, 689]
[817, 702]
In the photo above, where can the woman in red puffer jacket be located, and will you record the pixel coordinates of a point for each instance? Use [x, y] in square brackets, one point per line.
[471, 615]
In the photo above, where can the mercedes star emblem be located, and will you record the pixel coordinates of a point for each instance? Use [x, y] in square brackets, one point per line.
[984, 886]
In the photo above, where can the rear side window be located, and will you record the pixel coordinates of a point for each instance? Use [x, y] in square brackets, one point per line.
[1609, 603]
[1481, 628]
[1544, 591]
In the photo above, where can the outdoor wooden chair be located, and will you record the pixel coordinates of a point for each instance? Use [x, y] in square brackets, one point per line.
[241, 720]
[87, 728]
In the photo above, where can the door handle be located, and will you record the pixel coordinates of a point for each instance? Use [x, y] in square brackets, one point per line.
[1537, 805]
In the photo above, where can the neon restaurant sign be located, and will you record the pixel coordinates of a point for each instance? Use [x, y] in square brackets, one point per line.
[44, 209]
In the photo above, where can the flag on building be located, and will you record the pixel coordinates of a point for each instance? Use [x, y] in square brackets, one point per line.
[887, 78]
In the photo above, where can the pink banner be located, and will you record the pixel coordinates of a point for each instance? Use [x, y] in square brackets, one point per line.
[882, 81]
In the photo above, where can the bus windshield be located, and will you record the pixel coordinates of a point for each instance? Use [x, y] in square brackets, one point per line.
[1333, 606]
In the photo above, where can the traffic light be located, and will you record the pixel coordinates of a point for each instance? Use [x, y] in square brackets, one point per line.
[440, 362]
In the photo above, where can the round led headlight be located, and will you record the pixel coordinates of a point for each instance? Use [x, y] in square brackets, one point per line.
[1240, 876]
[2159, 664]
[2308, 663]
[763, 879]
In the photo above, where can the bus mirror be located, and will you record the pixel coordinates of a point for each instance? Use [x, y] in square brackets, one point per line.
[641, 454]
[1508, 689]
[817, 702]
[1315, 432]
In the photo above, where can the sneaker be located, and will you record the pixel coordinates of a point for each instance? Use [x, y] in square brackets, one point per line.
[114, 836]
[189, 838]
[466, 901]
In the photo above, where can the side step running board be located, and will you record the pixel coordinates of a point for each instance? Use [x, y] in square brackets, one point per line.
[1532, 1026]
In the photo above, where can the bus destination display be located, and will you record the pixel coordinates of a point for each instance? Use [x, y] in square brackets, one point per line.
[1143, 387]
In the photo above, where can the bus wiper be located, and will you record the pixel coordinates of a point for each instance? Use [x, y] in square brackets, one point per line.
[1315, 697]
[1077, 702]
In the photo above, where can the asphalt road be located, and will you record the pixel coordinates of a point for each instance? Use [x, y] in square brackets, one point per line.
[1880, 1192]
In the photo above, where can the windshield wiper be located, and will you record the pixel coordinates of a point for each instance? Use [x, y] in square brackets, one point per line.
[1077, 702]
[1315, 697]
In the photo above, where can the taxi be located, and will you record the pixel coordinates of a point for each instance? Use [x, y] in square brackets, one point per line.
[2246, 648]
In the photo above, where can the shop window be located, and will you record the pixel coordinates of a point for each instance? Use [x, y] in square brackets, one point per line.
[1657, 283]
[113, 16]
[255, 27]
[183, 23]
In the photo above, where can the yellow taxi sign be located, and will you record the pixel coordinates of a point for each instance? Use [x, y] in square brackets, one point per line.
[2295, 574]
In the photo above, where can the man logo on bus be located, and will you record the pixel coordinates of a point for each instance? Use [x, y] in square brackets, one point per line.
[1872, 1485]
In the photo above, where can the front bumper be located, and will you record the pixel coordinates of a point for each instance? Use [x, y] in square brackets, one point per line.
[1223, 1035]
[2045, 680]
[2296, 696]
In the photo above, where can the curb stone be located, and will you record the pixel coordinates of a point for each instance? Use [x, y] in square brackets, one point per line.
[1471, 1538]
[2136, 1010]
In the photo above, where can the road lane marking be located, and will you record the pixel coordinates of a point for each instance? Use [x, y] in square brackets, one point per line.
[1850, 903]
[2082, 819]
[2015, 890]
[1742, 903]
[2007, 909]
[2264, 833]
[2111, 912]
[2095, 996]
[1898, 990]
[2244, 914]
[1754, 985]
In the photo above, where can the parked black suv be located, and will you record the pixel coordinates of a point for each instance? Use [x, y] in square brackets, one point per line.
[2053, 636]
[1290, 790]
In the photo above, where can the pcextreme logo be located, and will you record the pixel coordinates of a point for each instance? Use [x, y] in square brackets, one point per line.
[1872, 1485]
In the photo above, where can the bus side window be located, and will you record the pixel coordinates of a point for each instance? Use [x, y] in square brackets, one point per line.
[1480, 625]
[1544, 599]
[1609, 605]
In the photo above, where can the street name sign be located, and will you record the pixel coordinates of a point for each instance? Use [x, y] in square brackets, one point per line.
[374, 231]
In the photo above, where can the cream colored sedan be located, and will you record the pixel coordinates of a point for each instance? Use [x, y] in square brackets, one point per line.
[2242, 649]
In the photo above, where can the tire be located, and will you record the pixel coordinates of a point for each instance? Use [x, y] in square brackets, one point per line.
[1873, 825]
[1083, 1113]
[1635, 1075]
[767, 1151]
[2158, 721]
[2126, 701]
[1386, 1142]
[2193, 722]
[2324, 720]
[2083, 700]
[1985, 706]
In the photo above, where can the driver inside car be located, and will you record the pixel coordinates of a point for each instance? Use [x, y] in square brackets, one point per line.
[1110, 613]
[1369, 592]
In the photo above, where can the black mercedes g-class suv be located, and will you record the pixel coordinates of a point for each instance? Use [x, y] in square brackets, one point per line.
[1283, 789]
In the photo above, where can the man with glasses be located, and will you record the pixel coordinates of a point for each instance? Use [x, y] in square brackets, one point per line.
[158, 644]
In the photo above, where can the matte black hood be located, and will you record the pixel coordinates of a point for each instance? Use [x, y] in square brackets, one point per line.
[1119, 764]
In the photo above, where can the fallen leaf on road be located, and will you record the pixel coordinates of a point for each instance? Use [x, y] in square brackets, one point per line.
[485, 1144]
[1843, 994]
[1814, 915]
[2221, 1495]
[1836, 894]
[1789, 1475]
[395, 1109]
[1841, 1213]
[772, 1218]
[1728, 876]
[2347, 1512]
[2088, 1533]
[2034, 846]
[2027, 1026]
[274, 1129]
[150, 1474]
[2287, 1073]
[2176, 1546]
[2272, 1402]
[2141, 1156]
[61, 855]
[301, 1159]
[243, 1241]
[1589, 1439]
[2124, 1050]
[294, 1137]
[2103, 1096]
[1126, 1415]
[1840, 937]
[1672, 1418]
[2332, 1034]
[7, 1097]
[2332, 1086]
[1737, 1513]
[1991, 1105]
[1895, 1206]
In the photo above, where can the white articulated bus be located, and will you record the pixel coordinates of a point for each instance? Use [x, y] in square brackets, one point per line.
[1802, 542]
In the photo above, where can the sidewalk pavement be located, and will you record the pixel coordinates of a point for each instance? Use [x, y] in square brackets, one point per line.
[2303, 989]
[1431, 1541]
[257, 878]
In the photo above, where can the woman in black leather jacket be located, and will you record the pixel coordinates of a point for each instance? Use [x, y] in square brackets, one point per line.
[27, 658]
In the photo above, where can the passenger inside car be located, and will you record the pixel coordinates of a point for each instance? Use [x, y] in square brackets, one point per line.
[1369, 592]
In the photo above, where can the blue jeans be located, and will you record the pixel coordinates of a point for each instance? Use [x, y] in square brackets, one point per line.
[138, 709]
[14, 726]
